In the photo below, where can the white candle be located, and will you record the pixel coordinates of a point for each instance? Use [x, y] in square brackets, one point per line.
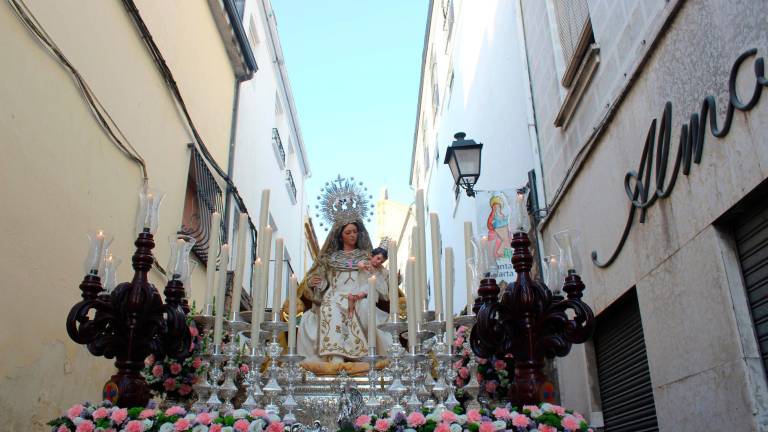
[213, 246]
[468, 253]
[292, 293]
[277, 296]
[372, 297]
[221, 293]
[257, 311]
[393, 292]
[484, 257]
[178, 265]
[437, 279]
[266, 254]
[421, 258]
[449, 279]
[237, 288]
[264, 209]
[410, 270]
[416, 295]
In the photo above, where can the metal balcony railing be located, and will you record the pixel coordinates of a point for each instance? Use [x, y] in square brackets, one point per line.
[277, 144]
[290, 185]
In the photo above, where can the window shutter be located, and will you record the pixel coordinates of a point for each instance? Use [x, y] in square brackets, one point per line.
[575, 31]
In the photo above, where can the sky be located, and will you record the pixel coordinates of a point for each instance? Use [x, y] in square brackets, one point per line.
[354, 66]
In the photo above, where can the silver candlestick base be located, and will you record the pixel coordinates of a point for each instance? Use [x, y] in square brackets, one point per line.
[293, 372]
[373, 404]
[272, 389]
[397, 390]
[413, 403]
[253, 377]
[202, 387]
[215, 374]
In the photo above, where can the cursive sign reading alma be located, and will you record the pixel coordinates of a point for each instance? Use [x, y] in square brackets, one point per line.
[638, 183]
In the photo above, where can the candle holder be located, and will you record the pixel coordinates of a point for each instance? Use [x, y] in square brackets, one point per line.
[414, 403]
[443, 389]
[252, 380]
[215, 374]
[292, 373]
[373, 403]
[272, 389]
[397, 390]
[202, 387]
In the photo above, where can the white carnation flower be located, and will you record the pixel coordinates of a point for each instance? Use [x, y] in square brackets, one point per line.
[147, 424]
[227, 429]
[239, 413]
[456, 427]
[167, 427]
[500, 424]
[200, 428]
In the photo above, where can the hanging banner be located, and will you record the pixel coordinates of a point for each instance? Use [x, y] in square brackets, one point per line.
[492, 221]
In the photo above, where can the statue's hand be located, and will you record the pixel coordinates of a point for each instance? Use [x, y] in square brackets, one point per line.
[364, 266]
[315, 281]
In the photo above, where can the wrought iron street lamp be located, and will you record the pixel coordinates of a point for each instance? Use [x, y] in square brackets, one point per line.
[463, 158]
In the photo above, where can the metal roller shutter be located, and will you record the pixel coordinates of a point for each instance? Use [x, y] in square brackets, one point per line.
[622, 368]
[751, 232]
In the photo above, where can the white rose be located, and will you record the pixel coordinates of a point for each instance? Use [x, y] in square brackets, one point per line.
[147, 424]
[77, 420]
[227, 429]
[167, 427]
[500, 425]
[456, 428]
[239, 413]
[461, 419]
[200, 428]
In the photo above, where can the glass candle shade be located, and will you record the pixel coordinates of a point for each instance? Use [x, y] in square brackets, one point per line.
[568, 242]
[148, 216]
[552, 273]
[518, 215]
[485, 254]
[110, 272]
[179, 263]
[94, 261]
[474, 271]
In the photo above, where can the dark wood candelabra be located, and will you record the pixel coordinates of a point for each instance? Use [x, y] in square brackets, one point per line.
[530, 323]
[129, 324]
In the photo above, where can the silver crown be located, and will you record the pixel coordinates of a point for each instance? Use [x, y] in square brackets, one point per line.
[342, 200]
[384, 244]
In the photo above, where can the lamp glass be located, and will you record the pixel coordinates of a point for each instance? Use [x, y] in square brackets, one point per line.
[99, 243]
[148, 216]
[468, 160]
[568, 242]
[110, 272]
[485, 253]
[452, 164]
[178, 262]
[518, 215]
[552, 273]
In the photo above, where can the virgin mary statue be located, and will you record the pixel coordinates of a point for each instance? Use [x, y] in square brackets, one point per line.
[334, 325]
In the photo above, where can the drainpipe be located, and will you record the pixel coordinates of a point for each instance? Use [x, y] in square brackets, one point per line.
[231, 159]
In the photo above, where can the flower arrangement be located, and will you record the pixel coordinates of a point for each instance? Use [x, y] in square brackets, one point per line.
[172, 378]
[493, 374]
[543, 418]
[107, 418]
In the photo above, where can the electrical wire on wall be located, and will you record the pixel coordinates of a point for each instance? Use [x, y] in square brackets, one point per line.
[103, 118]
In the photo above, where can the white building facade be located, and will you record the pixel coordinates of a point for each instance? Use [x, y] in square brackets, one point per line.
[473, 80]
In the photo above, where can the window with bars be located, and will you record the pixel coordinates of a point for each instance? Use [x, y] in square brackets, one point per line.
[575, 33]
[277, 145]
[435, 86]
[290, 184]
[203, 197]
[448, 19]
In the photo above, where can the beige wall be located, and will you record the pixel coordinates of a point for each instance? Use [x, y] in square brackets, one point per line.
[61, 176]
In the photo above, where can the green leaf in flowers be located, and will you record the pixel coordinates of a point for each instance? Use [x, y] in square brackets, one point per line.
[473, 427]
[62, 421]
[429, 426]
[103, 423]
[347, 429]
[229, 420]
[550, 419]
[458, 410]
[134, 412]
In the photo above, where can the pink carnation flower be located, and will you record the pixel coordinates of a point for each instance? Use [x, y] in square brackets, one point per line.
[215, 428]
[120, 415]
[185, 389]
[382, 425]
[175, 410]
[362, 421]
[557, 409]
[487, 427]
[85, 426]
[547, 428]
[443, 427]
[157, 371]
[244, 368]
[150, 360]
[175, 368]
[531, 408]
[459, 382]
[490, 386]
[134, 426]
[276, 427]
[75, 411]
[196, 363]
[481, 360]
[464, 373]
[458, 364]
[416, 419]
[204, 418]
[181, 424]
[502, 413]
[474, 416]
[258, 413]
[62, 428]
[193, 331]
[499, 365]
[169, 384]
[147, 413]
[241, 425]
[570, 422]
[448, 416]
[520, 420]
[100, 413]
[458, 342]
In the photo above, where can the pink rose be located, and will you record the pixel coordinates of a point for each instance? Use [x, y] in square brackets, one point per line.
[169, 384]
[458, 342]
[175, 368]
[134, 426]
[502, 413]
[241, 425]
[443, 427]
[382, 425]
[531, 408]
[181, 425]
[547, 428]
[75, 411]
[499, 365]
[464, 373]
[481, 360]
[570, 422]
[204, 418]
[147, 413]
[150, 360]
[175, 411]
[62, 428]
[459, 382]
[487, 427]
[448, 416]
[157, 371]
[215, 428]
[490, 386]
[520, 420]
[85, 426]
[185, 389]
[120, 415]
[196, 363]
[416, 419]
[258, 413]
[193, 331]
[276, 427]
[474, 416]
[362, 421]
[100, 413]
[458, 364]
[244, 368]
